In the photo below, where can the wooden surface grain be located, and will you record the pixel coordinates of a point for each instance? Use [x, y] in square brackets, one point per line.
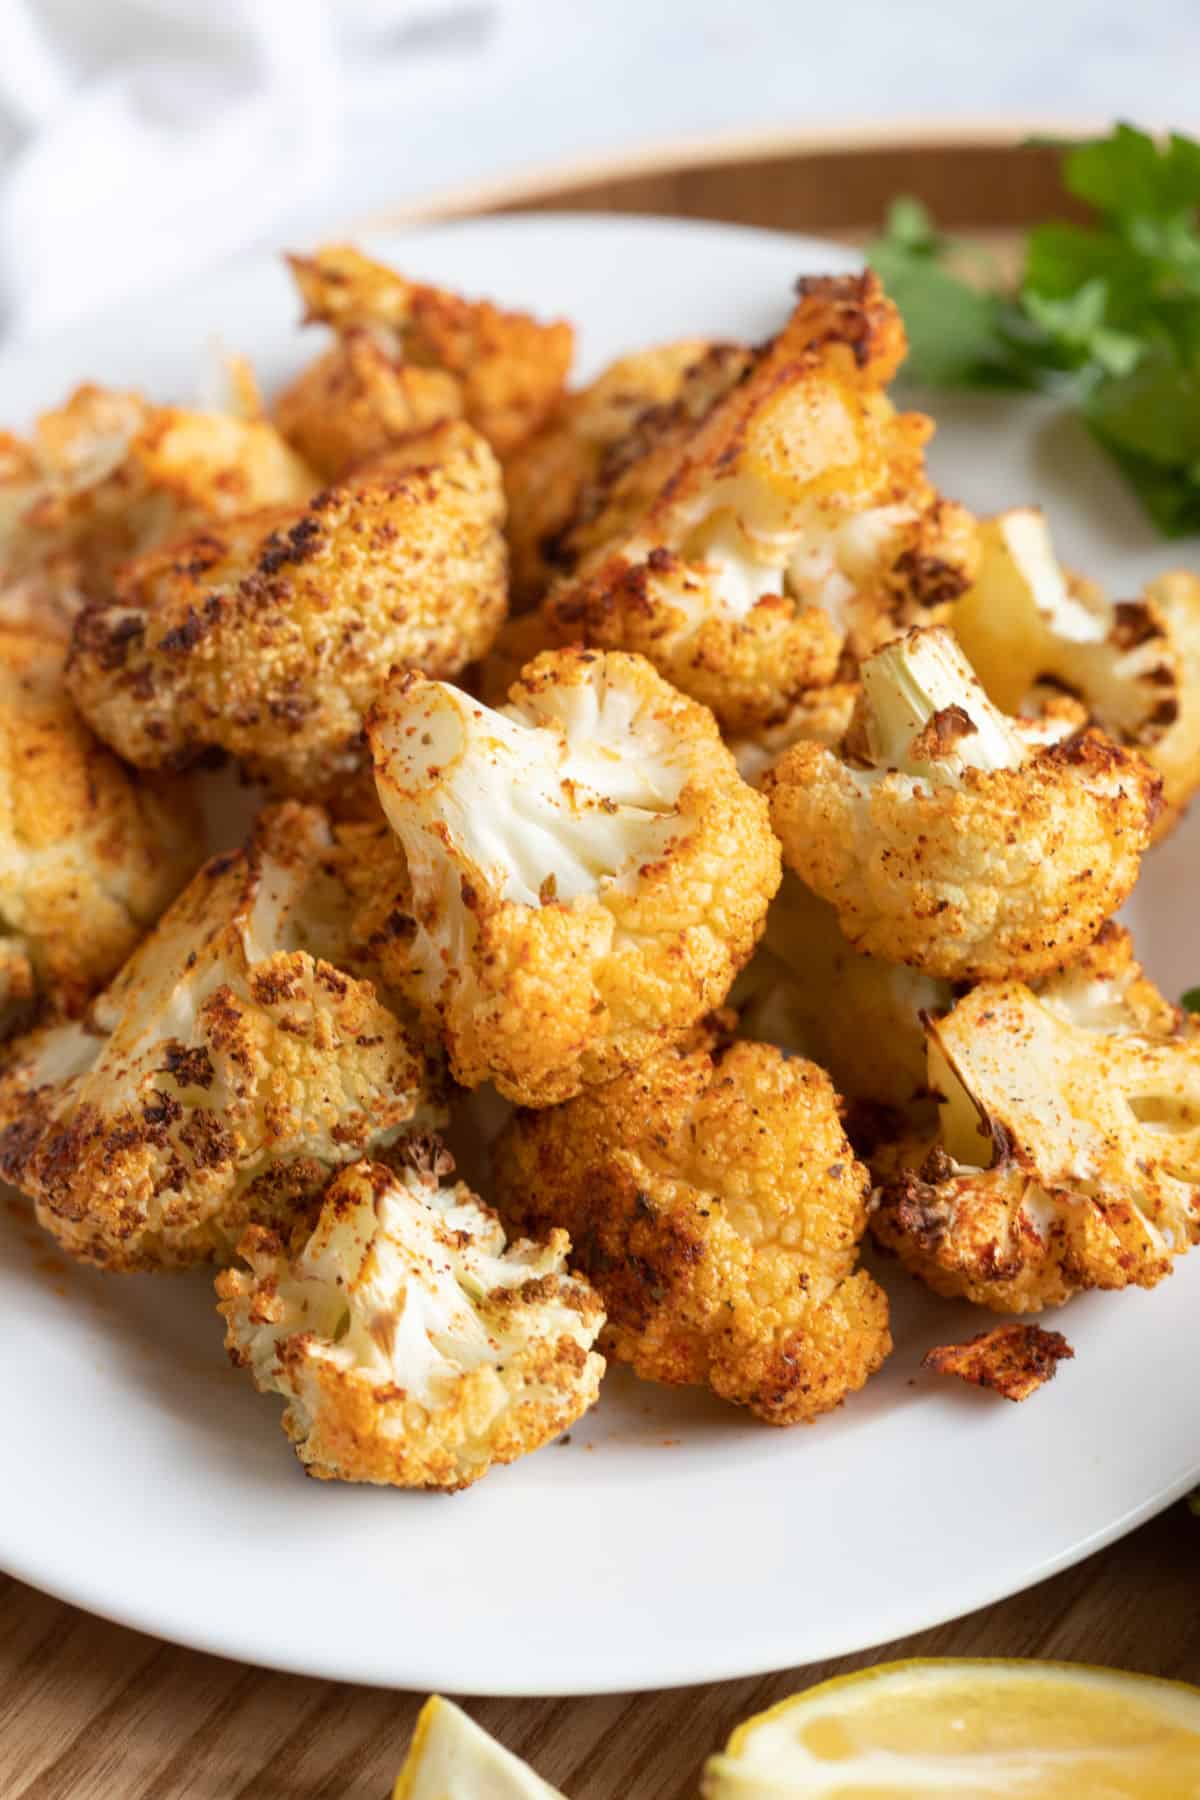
[89, 1711]
[92, 1712]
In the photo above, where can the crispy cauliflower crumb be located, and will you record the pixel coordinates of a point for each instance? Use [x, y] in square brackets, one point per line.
[809, 991]
[225, 1071]
[588, 870]
[356, 402]
[712, 1198]
[790, 523]
[953, 838]
[108, 475]
[1011, 1360]
[502, 371]
[546, 477]
[1135, 664]
[1067, 1154]
[270, 637]
[90, 853]
[413, 1347]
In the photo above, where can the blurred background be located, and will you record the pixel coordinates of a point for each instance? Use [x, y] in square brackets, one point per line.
[143, 139]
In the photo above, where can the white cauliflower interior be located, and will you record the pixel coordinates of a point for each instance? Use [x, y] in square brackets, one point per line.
[412, 1344]
[555, 797]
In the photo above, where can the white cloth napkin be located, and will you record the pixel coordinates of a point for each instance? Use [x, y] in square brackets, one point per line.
[140, 139]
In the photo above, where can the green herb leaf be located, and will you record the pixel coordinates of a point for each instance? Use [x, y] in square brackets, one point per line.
[1107, 315]
[1190, 1001]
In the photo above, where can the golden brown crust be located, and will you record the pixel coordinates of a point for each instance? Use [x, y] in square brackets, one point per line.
[270, 637]
[355, 402]
[1069, 1156]
[793, 449]
[230, 1065]
[1013, 1360]
[546, 478]
[1007, 873]
[713, 1200]
[544, 997]
[507, 368]
[323, 1322]
[90, 853]
[108, 476]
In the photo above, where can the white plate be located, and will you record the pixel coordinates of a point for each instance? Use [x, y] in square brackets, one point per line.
[672, 1540]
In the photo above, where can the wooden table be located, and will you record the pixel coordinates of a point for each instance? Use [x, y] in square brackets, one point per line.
[92, 1712]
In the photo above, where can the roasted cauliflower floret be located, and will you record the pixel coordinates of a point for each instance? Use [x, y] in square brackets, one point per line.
[712, 1198]
[1135, 664]
[821, 716]
[588, 870]
[229, 1067]
[413, 1347]
[547, 476]
[954, 838]
[356, 402]
[791, 524]
[90, 854]
[810, 992]
[270, 636]
[502, 371]
[1067, 1154]
[108, 475]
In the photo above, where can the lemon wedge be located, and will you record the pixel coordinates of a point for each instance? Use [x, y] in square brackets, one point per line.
[986, 1730]
[452, 1758]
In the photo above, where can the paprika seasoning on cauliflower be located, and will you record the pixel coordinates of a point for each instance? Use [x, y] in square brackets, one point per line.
[90, 852]
[713, 1200]
[414, 1347]
[269, 637]
[108, 476]
[432, 355]
[953, 838]
[231, 1064]
[589, 872]
[1067, 1154]
[793, 522]
[1134, 664]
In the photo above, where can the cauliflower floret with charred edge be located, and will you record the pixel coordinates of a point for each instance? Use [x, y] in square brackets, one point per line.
[502, 371]
[792, 525]
[356, 402]
[270, 637]
[414, 1347]
[712, 1198]
[90, 853]
[953, 838]
[229, 1067]
[1068, 1149]
[809, 991]
[589, 872]
[108, 476]
[1135, 664]
[546, 477]
[820, 716]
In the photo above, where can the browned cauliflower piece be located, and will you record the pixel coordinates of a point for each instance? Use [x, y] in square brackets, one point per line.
[515, 645]
[355, 402]
[789, 525]
[954, 838]
[588, 870]
[809, 991]
[109, 475]
[229, 1067]
[1067, 1154]
[1135, 664]
[270, 636]
[546, 478]
[90, 853]
[821, 716]
[405, 350]
[713, 1200]
[413, 1346]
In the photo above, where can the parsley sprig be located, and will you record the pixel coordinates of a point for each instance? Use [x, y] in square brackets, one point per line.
[1106, 315]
